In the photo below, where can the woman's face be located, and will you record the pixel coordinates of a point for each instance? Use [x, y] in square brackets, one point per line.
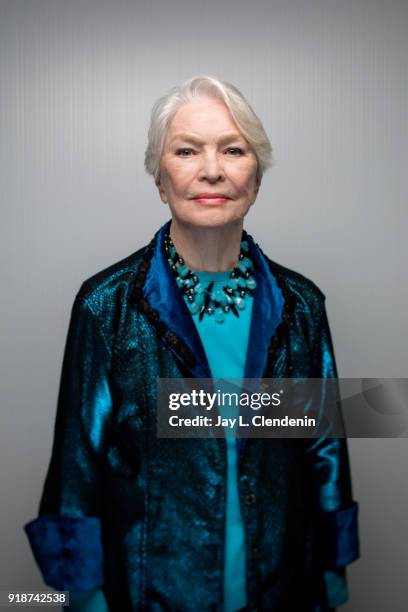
[205, 153]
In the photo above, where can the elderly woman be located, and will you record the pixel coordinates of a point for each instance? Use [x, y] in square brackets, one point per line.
[131, 521]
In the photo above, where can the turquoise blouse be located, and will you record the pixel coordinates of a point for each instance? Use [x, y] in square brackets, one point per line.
[229, 362]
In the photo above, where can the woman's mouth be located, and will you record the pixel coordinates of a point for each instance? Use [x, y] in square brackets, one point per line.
[212, 198]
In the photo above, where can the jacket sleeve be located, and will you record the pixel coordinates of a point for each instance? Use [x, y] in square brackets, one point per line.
[66, 537]
[328, 460]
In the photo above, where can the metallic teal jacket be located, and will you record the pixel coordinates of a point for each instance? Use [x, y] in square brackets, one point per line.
[143, 517]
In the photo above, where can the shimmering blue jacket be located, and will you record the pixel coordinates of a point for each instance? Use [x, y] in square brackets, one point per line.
[143, 517]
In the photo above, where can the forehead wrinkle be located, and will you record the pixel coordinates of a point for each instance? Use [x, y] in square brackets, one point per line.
[186, 136]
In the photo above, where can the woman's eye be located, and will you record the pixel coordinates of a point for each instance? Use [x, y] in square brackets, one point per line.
[235, 151]
[184, 152]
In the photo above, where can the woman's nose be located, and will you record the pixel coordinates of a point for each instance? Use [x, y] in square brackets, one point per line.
[211, 167]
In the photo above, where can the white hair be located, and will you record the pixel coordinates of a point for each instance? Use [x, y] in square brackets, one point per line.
[204, 86]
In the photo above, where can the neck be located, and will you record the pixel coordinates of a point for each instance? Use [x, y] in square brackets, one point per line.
[207, 249]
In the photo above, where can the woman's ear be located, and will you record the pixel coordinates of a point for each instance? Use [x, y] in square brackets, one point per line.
[258, 181]
[162, 191]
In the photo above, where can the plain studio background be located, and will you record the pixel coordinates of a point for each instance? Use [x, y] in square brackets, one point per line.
[329, 81]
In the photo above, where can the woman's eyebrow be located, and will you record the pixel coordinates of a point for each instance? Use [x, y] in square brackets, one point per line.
[191, 138]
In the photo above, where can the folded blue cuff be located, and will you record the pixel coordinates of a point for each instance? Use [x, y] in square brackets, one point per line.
[68, 551]
[339, 536]
[91, 601]
[336, 587]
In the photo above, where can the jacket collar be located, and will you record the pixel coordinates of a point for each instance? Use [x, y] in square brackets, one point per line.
[158, 296]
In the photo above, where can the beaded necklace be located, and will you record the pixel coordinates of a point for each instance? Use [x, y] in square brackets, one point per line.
[210, 301]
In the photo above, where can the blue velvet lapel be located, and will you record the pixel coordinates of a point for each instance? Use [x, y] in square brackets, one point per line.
[162, 293]
[266, 313]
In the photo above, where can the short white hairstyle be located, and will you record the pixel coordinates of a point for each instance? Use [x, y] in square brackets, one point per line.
[199, 87]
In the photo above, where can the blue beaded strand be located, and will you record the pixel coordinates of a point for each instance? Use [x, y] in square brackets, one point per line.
[210, 301]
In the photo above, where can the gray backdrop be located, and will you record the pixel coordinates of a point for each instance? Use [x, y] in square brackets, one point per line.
[329, 81]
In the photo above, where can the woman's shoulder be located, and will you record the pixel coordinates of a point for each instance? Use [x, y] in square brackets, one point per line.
[109, 289]
[297, 287]
[294, 278]
[114, 274]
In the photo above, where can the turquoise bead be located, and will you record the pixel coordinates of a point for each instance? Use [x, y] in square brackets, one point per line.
[251, 283]
[199, 298]
[232, 283]
[223, 298]
[182, 270]
[242, 266]
[219, 315]
[193, 307]
[240, 303]
[244, 245]
[179, 281]
[247, 262]
[218, 295]
[242, 283]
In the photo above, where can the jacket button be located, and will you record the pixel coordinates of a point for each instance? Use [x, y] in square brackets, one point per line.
[250, 499]
[256, 553]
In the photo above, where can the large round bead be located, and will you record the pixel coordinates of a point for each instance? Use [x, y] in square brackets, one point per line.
[193, 307]
[219, 296]
[182, 270]
[247, 262]
[199, 298]
[240, 303]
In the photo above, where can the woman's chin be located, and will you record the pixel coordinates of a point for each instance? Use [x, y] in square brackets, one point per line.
[214, 217]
